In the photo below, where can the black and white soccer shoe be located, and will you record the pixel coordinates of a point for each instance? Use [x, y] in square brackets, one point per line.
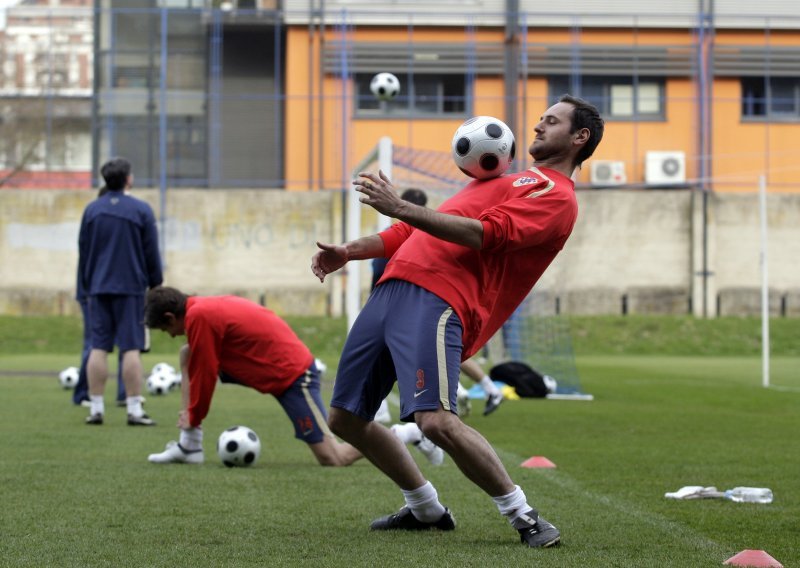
[405, 520]
[535, 531]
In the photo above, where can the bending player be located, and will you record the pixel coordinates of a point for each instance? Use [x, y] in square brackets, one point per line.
[238, 341]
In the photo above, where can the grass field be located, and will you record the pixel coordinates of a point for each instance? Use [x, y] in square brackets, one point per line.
[675, 413]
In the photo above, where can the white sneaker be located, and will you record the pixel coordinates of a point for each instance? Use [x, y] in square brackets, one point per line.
[383, 415]
[463, 403]
[176, 454]
[434, 453]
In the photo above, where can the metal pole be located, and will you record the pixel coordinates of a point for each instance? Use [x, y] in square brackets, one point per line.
[511, 66]
[762, 203]
[162, 138]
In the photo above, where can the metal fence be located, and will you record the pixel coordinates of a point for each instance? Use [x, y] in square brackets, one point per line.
[215, 95]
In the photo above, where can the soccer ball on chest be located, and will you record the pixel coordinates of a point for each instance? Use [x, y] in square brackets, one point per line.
[483, 147]
[238, 446]
[384, 86]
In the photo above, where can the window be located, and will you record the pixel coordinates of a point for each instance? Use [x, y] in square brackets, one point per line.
[776, 98]
[617, 98]
[420, 95]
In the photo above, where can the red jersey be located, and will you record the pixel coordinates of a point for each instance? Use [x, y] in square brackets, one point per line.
[244, 340]
[527, 218]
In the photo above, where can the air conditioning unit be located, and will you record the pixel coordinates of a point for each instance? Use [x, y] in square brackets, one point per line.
[665, 168]
[607, 173]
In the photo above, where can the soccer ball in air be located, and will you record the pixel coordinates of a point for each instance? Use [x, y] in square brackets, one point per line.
[384, 86]
[238, 446]
[483, 147]
[69, 377]
[160, 382]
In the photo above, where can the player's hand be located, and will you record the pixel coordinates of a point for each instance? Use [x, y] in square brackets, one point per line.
[379, 193]
[329, 258]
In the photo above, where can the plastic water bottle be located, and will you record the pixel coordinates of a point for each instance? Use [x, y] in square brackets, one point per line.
[749, 495]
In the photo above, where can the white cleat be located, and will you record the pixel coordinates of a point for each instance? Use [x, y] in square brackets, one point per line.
[463, 403]
[383, 415]
[176, 454]
[434, 453]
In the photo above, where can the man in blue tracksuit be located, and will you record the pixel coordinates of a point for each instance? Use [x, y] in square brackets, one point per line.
[118, 261]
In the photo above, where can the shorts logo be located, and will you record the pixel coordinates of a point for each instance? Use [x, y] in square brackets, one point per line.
[420, 378]
[525, 180]
[305, 425]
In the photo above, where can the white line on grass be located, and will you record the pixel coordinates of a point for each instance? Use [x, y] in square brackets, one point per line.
[675, 530]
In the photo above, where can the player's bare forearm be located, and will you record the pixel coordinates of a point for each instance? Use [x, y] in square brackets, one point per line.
[452, 228]
[380, 194]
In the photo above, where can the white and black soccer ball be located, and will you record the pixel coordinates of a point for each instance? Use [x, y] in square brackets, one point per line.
[238, 446]
[483, 147]
[159, 367]
[385, 86]
[69, 377]
[159, 383]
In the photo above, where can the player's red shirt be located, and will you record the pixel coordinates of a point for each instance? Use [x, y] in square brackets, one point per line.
[527, 218]
[244, 340]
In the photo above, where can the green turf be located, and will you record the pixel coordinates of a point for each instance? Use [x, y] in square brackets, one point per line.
[74, 495]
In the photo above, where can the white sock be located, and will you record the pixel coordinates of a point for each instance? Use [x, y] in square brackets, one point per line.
[191, 439]
[97, 404]
[512, 505]
[409, 433]
[489, 387]
[134, 404]
[424, 503]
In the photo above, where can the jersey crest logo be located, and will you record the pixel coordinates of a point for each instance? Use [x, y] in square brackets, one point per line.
[525, 180]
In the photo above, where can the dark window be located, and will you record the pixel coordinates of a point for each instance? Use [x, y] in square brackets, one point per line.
[617, 98]
[420, 95]
[776, 98]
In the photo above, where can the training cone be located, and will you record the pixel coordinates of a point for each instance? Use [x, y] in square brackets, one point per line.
[756, 558]
[537, 461]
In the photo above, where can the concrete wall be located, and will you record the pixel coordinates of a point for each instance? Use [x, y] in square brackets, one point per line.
[631, 251]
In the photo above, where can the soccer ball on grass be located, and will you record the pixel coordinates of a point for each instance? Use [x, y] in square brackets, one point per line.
[238, 446]
[384, 86]
[483, 147]
[69, 377]
[159, 383]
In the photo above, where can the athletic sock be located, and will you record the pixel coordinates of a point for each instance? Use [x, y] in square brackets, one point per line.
[134, 404]
[489, 387]
[424, 503]
[408, 433]
[191, 439]
[512, 505]
[97, 404]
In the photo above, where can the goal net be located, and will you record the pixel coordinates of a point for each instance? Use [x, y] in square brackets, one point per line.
[536, 334]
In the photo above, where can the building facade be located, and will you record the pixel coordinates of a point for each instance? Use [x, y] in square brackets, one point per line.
[46, 92]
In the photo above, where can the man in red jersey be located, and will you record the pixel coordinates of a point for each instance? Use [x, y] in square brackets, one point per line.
[235, 340]
[454, 276]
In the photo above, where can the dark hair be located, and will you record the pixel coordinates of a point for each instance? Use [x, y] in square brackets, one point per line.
[161, 300]
[115, 172]
[415, 196]
[585, 115]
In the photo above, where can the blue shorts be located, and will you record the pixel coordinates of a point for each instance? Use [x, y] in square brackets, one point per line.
[117, 319]
[404, 334]
[303, 405]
